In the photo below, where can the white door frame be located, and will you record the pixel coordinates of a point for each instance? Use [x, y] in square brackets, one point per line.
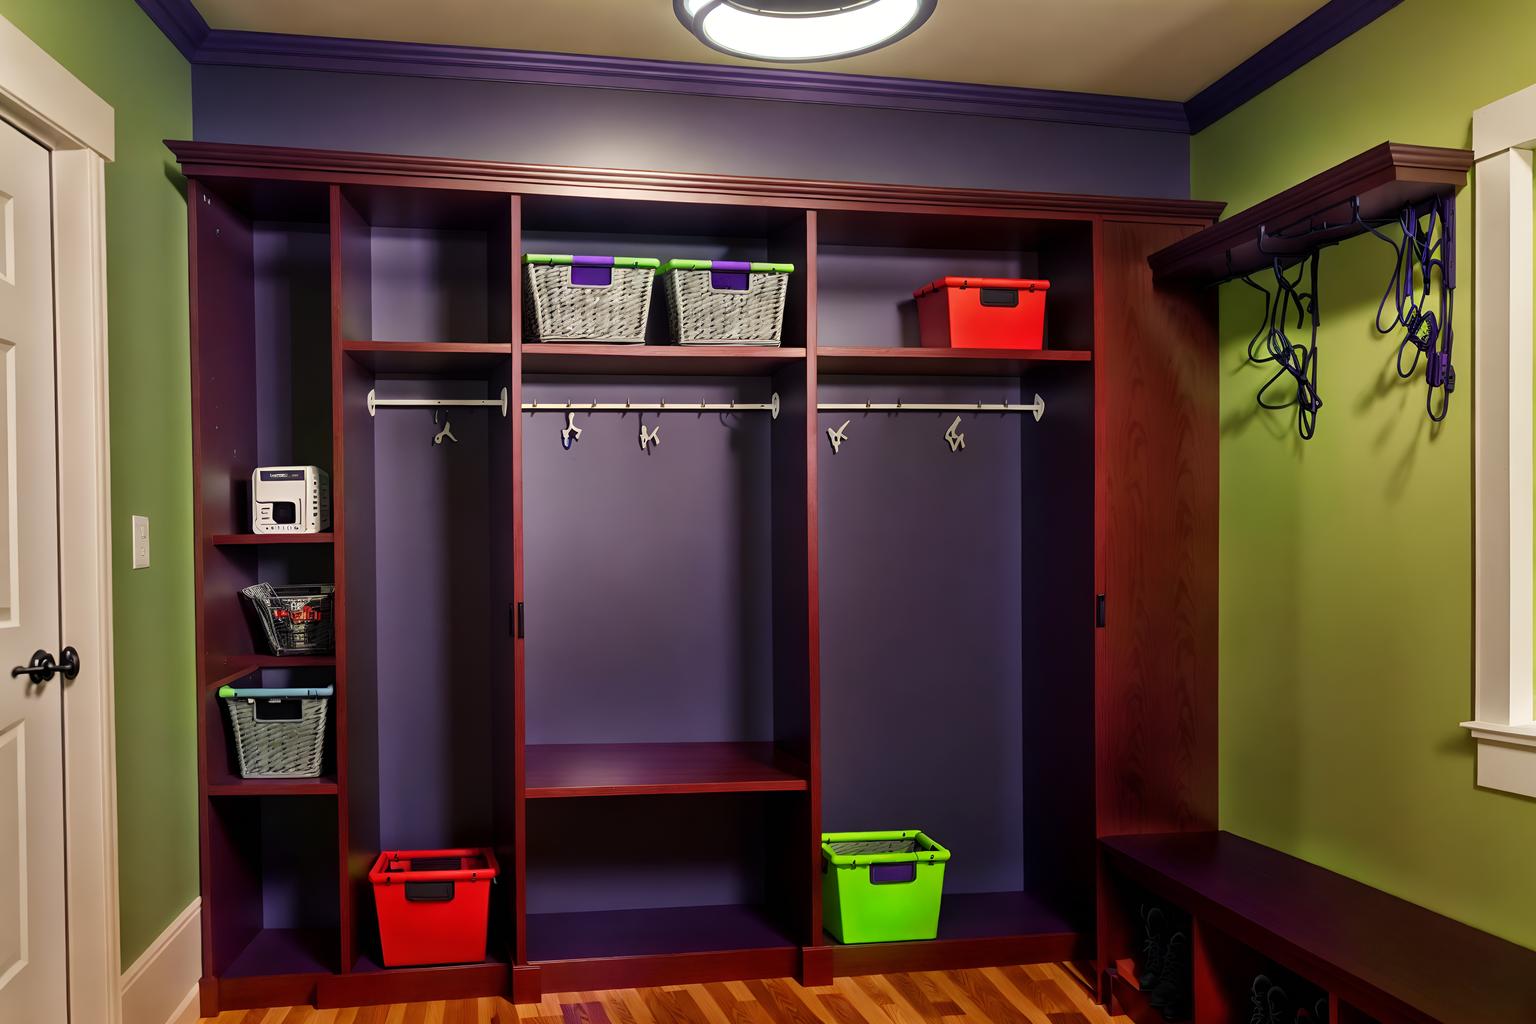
[39, 96]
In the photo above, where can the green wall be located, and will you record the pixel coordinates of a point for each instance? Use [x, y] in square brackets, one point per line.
[114, 49]
[1346, 562]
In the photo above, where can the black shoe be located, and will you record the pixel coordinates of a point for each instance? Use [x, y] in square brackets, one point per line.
[1170, 996]
[1258, 1007]
[1279, 1006]
[1153, 943]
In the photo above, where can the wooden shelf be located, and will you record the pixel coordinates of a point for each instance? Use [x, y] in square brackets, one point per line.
[636, 769]
[975, 930]
[942, 362]
[245, 661]
[240, 666]
[229, 785]
[656, 932]
[229, 540]
[667, 946]
[1384, 178]
[1385, 955]
[285, 951]
[661, 360]
[369, 982]
[435, 358]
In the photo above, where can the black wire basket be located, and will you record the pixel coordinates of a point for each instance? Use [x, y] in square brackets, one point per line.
[296, 619]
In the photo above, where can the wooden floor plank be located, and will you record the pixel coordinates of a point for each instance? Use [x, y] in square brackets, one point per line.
[738, 1010]
[1036, 994]
[977, 997]
[672, 1007]
[850, 989]
[783, 1005]
[912, 993]
[884, 994]
[840, 1008]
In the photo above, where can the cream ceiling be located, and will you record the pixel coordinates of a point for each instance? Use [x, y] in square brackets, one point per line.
[1162, 49]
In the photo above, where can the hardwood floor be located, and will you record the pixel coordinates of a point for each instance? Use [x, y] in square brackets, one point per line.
[1043, 994]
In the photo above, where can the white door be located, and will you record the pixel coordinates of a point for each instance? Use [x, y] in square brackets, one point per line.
[32, 936]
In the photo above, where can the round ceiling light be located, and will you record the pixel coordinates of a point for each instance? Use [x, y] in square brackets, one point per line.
[794, 31]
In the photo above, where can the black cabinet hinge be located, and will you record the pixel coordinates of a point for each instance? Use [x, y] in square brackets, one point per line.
[1098, 611]
[515, 614]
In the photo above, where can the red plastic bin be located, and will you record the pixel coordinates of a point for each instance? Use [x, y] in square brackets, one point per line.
[433, 905]
[982, 312]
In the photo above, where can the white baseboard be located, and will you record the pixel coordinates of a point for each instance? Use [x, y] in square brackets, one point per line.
[161, 986]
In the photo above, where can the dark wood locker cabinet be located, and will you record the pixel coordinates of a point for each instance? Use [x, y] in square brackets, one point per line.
[1012, 646]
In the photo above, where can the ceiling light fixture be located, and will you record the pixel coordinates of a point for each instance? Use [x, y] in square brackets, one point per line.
[796, 31]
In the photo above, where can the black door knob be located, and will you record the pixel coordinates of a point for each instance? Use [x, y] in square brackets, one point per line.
[40, 669]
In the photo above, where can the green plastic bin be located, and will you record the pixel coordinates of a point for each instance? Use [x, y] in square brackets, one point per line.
[881, 886]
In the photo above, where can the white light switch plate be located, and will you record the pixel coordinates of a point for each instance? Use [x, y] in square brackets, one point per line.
[141, 542]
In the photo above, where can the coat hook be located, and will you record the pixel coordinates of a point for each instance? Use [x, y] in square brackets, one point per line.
[651, 438]
[838, 436]
[954, 437]
[446, 432]
[571, 433]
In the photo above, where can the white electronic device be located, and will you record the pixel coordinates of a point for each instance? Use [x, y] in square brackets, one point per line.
[290, 499]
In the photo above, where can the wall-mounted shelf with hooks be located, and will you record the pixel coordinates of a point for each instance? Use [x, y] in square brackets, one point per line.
[1384, 179]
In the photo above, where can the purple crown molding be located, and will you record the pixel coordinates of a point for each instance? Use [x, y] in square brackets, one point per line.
[1335, 21]
[181, 22]
[1311, 37]
[316, 53]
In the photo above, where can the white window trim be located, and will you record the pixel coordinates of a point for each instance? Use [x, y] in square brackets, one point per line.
[1503, 137]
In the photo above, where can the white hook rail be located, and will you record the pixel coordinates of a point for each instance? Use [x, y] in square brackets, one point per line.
[659, 406]
[375, 403]
[1035, 408]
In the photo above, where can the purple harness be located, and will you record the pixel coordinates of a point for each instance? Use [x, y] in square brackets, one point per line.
[1428, 245]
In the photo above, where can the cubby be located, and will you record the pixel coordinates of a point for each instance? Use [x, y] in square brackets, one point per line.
[659, 876]
[649, 676]
[1234, 980]
[221, 768]
[273, 873]
[589, 226]
[425, 265]
[868, 265]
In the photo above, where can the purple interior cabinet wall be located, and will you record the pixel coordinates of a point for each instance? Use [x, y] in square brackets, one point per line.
[647, 572]
[431, 517]
[655, 131]
[921, 590]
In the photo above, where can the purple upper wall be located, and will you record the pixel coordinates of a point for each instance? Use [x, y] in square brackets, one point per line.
[655, 131]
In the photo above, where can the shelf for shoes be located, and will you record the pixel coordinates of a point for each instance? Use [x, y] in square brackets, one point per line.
[975, 930]
[1378, 954]
[637, 769]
